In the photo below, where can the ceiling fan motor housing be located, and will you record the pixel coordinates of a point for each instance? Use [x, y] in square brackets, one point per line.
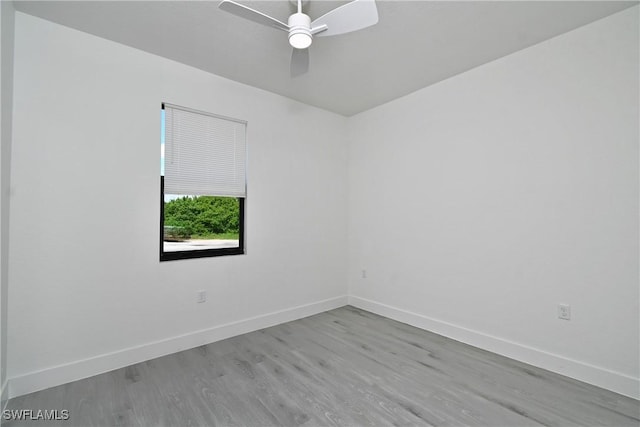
[300, 31]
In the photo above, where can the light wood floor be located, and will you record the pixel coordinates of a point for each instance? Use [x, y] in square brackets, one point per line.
[345, 367]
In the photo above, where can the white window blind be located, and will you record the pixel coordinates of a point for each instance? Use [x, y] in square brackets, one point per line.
[204, 154]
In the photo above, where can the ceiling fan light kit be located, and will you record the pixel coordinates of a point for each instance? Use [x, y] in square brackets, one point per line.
[352, 16]
[300, 31]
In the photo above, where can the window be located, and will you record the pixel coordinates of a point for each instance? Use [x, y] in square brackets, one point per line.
[202, 184]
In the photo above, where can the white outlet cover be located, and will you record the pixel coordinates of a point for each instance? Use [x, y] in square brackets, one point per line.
[201, 296]
[564, 311]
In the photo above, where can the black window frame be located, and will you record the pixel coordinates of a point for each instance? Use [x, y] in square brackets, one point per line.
[200, 253]
[203, 253]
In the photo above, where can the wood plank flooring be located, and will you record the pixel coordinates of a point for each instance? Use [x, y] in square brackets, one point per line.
[344, 367]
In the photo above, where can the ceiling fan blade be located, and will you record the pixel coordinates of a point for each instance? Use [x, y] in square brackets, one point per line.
[252, 15]
[299, 62]
[352, 16]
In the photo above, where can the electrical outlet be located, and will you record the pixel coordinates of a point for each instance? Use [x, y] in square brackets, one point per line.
[564, 311]
[364, 274]
[201, 296]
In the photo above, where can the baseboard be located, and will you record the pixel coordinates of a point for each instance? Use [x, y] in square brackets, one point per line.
[62, 374]
[601, 377]
[4, 396]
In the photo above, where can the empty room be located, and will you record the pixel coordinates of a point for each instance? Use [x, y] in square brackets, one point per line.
[319, 213]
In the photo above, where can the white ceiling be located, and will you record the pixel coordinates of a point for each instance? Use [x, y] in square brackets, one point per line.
[415, 43]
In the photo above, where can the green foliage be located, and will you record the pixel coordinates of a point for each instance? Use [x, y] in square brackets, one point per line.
[202, 216]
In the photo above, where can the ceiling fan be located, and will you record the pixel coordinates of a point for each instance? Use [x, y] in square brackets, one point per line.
[352, 16]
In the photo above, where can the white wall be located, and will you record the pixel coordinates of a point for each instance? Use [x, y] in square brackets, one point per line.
[86, 285]
[7, 16]
[480, 203]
